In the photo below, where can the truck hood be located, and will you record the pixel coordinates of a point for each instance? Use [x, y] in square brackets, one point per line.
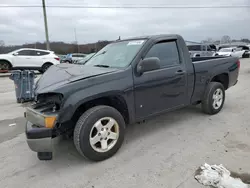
[59, 75]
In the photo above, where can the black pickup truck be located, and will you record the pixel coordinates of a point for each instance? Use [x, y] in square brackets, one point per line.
[126, 82]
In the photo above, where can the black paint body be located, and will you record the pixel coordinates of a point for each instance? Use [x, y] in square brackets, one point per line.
[144, 95]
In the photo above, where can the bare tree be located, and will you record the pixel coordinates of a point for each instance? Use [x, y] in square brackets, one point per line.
[225, 39]
[2, 46]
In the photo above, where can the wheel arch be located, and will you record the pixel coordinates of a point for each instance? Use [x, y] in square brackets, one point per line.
[221, 78]
[116, 101]
[47, 62]
[6, 60]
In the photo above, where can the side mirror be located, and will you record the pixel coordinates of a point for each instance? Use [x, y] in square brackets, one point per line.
[15, 54]
[148, 64]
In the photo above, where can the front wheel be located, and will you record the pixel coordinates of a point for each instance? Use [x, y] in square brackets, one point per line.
[99, 133]
[214, 98]
[4, 66]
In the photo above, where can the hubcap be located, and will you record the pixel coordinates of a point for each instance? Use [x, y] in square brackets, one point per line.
[104, 134]
[217, 98]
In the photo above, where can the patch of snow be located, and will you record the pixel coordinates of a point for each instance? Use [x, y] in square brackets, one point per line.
[219, 177]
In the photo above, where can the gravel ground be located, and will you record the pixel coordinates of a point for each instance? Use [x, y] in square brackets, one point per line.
[163, 152]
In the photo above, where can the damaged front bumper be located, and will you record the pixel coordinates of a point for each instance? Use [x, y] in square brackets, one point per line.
[40, 136]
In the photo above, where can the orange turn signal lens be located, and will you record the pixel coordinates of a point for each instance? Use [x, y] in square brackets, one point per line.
[50, 121]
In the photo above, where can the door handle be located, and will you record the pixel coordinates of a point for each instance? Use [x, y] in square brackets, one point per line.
[180, 72]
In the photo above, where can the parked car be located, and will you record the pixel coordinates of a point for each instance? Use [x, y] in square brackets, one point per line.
[235, 52]
[28, 58]
[245, 50]
[200, 50]
[73, 58]
[85, 59]
[126, 82]
[61, 56]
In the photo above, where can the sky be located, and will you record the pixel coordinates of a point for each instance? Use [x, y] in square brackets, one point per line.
[25, 25]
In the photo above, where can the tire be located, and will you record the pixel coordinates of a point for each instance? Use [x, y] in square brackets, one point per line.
[245, 55]
[85, 127]
[4, 65]
[209, 105]
[45, 67]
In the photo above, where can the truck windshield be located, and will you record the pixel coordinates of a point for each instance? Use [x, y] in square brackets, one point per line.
[118, 54]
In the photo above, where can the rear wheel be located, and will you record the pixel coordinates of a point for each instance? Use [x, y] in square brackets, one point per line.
[45, 67]
[245, 55]
[214, 98]
[99, 133]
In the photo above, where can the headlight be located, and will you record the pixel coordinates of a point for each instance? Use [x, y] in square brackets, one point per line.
[40, 119]
[48, 102]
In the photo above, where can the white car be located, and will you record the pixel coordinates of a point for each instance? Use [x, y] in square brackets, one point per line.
[235, 52]
[28, 58]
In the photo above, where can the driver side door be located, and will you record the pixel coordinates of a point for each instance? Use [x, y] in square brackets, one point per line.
[162, 89]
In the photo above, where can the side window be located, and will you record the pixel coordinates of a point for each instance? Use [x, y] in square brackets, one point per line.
[194, 47]
[24, 53]
[209, 48]
[203, 48]
[39, 53]
[33, 53]
[167, 52]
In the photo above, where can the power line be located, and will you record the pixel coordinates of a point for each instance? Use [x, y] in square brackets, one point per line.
[127, 7]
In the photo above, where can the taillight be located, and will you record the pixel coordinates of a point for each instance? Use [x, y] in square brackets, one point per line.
[57, 58]
[238, 63]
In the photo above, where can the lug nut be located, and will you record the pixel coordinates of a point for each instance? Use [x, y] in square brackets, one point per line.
[99, 134]
[106, 138]
[108, 133]
[102, 129]
[100, 138]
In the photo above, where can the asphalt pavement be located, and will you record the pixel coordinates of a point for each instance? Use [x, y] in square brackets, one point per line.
[163, 152]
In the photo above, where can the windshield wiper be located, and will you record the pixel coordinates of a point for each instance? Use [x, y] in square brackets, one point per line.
[99, 54]
[105, 66]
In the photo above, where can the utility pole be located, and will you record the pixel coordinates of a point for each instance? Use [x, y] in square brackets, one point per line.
[46, 25]
[76, 41]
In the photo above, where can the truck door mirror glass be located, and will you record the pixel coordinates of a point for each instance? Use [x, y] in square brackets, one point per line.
[15, 54]
[148, 64]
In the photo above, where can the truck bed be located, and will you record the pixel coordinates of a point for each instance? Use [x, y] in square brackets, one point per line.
[205, 68]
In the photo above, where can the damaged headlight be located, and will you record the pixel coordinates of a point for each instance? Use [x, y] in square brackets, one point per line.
[48, 102]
